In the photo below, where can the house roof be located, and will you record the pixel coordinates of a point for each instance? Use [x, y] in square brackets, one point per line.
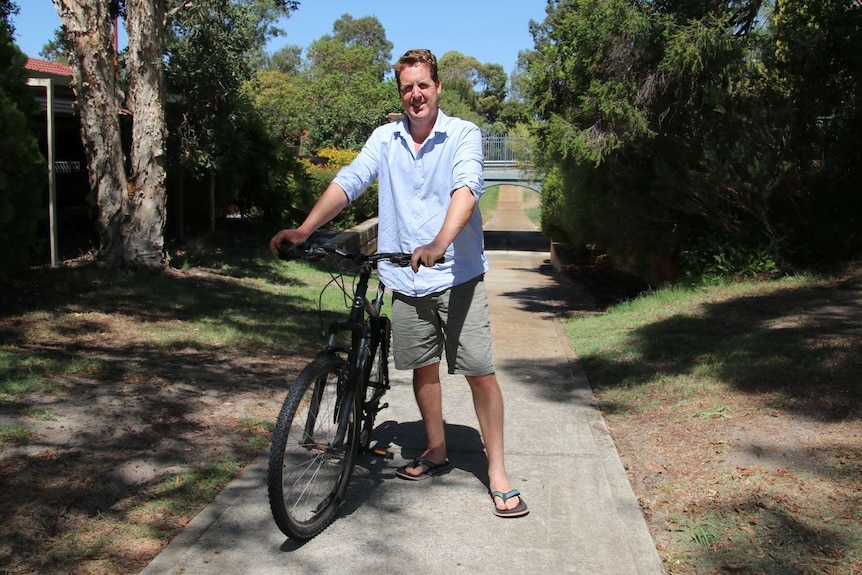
[61, 75]
[46, 67]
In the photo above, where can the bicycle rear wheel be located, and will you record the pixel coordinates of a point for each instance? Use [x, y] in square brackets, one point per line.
[308, 473]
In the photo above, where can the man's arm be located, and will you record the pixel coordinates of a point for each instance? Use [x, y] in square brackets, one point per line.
[328, 205]
[457, 215]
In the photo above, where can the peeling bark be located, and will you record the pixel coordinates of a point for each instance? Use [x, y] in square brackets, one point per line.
[144, 228]
[131, 205]
[88, 26]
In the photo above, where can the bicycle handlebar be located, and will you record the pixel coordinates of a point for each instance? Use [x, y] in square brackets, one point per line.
[315, 251]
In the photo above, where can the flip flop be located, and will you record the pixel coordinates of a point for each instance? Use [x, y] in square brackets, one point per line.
[518, 511]
[433, 469]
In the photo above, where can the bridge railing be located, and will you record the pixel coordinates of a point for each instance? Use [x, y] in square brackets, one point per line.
[500, 164]
[496, 149]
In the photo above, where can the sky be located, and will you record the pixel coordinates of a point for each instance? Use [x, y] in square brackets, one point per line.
[492, 31]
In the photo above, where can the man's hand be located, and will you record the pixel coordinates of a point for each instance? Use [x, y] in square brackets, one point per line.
[295, 237]
[426, 255]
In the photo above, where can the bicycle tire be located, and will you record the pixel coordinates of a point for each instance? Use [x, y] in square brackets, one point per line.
[306, 476]
[376, 378]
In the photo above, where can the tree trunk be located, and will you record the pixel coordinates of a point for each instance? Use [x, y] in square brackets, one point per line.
[131, 206]
[88, 26]
[144, 229]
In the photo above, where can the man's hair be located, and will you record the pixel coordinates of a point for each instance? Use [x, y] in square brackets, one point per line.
[413, 57]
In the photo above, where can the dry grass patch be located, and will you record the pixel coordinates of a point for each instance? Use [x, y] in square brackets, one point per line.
[736, 410]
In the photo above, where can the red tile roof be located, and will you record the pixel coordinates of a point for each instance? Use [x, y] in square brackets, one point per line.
[47, 67]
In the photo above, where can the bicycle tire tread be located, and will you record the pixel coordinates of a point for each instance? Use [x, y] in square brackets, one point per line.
[324, 364]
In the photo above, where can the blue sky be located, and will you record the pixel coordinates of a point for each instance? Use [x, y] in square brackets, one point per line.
[492, 31]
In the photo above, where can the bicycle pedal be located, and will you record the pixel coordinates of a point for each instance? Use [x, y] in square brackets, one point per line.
[385, 453]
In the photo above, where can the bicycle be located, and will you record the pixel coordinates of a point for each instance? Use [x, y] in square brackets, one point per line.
[328, 416]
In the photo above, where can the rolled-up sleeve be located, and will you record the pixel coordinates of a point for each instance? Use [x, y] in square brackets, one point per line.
[362, 171]
[469, 161]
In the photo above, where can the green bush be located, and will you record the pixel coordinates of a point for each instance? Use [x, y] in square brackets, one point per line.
[22, 170]
[553, 207]
[714, 260]
[319, 176]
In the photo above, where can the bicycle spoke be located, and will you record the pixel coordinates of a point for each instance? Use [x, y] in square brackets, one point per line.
[307, 476]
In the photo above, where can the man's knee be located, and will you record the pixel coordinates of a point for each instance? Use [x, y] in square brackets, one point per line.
[429, 374]
[483, 383]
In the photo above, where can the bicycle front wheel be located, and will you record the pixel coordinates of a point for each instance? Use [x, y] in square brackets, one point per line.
[309, 468]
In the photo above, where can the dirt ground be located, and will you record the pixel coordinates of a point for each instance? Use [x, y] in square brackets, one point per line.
[748, 477]
[79, 494]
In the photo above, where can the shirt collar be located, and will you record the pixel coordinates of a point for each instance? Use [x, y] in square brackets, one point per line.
[441, 124]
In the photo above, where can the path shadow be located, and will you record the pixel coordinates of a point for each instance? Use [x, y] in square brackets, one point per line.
[528, 241]
[406, 440]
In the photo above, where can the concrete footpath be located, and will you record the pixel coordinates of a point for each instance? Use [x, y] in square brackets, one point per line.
[584, 518]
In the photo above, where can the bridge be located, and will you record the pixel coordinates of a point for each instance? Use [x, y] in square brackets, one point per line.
[503, 167]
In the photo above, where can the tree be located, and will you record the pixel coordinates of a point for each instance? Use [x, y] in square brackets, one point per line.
[22, 171]
[817, 47]
[131, 203]
[287, 60]
[212, 50]
[366, 32]
[344, 80]
[283, 104]
[654, 116]
[472, 90]
[55, 50]
[131, 194]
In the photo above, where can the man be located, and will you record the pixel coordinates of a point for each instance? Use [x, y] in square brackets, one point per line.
[429, 169]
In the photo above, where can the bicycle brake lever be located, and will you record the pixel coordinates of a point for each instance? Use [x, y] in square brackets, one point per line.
[289, 251]
[402, 260]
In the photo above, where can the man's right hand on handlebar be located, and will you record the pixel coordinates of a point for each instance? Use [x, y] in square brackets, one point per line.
[427, 255]
[296, 237]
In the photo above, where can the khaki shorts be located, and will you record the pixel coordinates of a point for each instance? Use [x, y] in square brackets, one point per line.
[456, 319]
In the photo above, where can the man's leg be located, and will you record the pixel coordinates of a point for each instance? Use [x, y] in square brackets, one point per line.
[488, 402]
[429, 398]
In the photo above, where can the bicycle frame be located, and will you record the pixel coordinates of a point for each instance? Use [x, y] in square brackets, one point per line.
[358, 353]
[361, 331]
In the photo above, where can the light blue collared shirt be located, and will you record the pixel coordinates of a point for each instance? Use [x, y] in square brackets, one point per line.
[415, 191]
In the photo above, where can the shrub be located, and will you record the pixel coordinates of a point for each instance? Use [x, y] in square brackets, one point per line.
[715, 260]
[22, 170]
[321, 174]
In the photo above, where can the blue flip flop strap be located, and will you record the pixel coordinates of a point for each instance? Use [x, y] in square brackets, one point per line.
[505, 496]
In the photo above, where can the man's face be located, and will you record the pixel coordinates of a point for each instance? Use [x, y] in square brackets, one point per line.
[418, 93]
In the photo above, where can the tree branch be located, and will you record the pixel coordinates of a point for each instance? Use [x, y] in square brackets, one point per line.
[180, 6]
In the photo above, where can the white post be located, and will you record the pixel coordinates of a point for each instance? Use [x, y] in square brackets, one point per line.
[48, 84]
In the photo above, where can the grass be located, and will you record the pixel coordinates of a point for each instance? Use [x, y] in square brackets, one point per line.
[185, 493]
[488, 202]
[100, 370]
[736, 411]
[14, 434]
[534, 212]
